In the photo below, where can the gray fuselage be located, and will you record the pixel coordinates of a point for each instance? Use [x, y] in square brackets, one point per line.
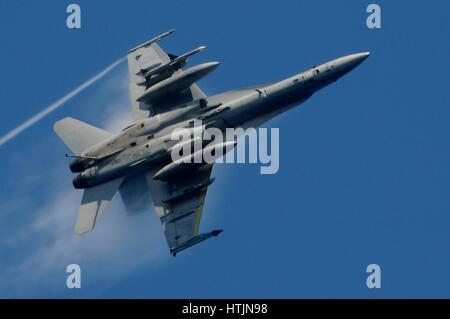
[138, 147]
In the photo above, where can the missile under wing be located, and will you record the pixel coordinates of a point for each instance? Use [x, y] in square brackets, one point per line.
[142, 60]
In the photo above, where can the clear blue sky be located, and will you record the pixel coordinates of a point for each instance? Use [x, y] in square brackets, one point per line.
[364, 165]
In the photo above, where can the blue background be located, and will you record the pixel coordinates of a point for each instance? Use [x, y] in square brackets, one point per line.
[364, 164]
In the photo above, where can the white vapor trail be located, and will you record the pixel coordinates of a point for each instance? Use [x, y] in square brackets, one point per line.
[22, 127]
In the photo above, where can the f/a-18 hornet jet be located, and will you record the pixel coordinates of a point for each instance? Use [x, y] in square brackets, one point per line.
[164, 97]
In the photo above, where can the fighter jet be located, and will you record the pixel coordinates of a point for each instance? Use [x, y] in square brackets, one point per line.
[164, 96]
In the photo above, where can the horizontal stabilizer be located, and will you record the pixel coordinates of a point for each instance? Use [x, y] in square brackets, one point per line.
[77, 135]
[94, 202]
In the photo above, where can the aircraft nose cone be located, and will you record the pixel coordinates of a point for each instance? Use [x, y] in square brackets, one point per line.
[353, 60]
[359, 58]
[349, 62]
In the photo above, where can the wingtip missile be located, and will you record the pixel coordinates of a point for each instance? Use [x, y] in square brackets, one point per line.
[216, 232]
[194, 241]
[152, 40]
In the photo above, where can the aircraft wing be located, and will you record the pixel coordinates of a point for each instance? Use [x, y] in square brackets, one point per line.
[149, 56]
[179, 205]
